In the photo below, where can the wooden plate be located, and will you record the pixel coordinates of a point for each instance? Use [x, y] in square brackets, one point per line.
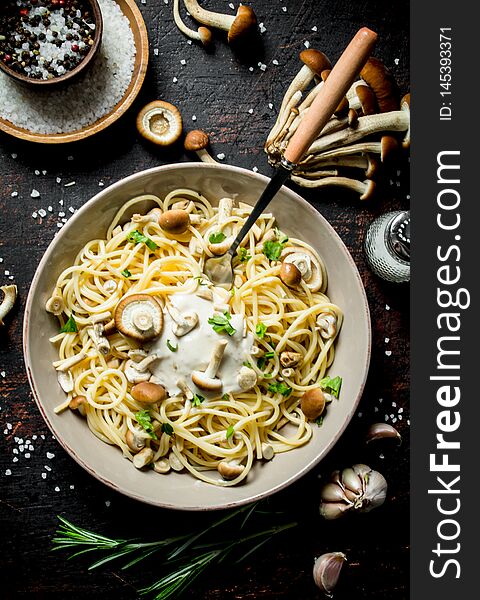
[131, 11]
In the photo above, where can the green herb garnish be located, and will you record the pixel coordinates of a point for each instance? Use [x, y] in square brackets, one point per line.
[261, 362]
[243, 255]
[126, 273]
[144, 419]
[170, 347]
[135, 237]
[272, 250]
[221, 323]
[260, 330]
[269, 354]
[197, 400]
[226, 397]
[281, 388]
[319, 421]
[167, 428]
[216, 238]
[70, 326]
[332, 386]
[230, 432]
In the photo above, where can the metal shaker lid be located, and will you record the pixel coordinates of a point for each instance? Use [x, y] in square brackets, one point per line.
[398, 235]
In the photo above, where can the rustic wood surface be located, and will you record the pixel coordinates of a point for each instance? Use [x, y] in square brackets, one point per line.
[218, 89]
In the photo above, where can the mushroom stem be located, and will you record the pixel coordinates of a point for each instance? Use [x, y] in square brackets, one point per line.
[10, 295]
[238, 25]
[71, 361]
[203, 34]
[183, 387]
[183, 323]
[225, 207]
[354, 161]
[364, 188]
[216, 359]
[283, 116]
[197, 141]
[317, 174]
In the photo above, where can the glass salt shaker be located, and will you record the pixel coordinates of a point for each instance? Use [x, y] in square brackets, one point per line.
[387, 246]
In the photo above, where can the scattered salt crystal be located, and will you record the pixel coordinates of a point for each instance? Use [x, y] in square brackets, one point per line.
[262, 28]
[37, 173]
[255, 169]
[47, 468]
[314, 28]
[284, 8]
[400, 417]
[387, 340]
[155, 51]
[275, 62]
[175, 80]
[15, 451]
[34, 436]
[387, 307]
[69, 184]
[7, 273]
[183, 62]
[15, 459]
[44, 475]
[50, 455]
[360, 414]
[189, 42]
[35, 193]
[71, 209]
[58, 179]
[381, 456]
[64, 220]
[270, 106]
[400, 410]
[59, 225]
[221, 156]
[31, 448]
[394, 404]
[306, 44]
[107, 503]
[60, 202]
[8, 472]
[263, 67]
[250, 110]
[250, 69]
[375, 409]
[61, 214]
[44, 172]
[194, 117]
[70, 157]
[388, 353]
[57, 489]
[27, 454]
[13, 155]
[396, 60]
[232, 5]
[72, 487]
[14, 194]
[42, 212]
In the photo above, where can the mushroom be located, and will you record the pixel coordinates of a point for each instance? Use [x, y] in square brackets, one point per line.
[290, 274]
[175, 221]
[153, 216]
[205, 294]
[313, 403]
[197, 141]
[382, 83]
[143, 458]
[65, 380]
[175, 462]
[364, 188]
[110, 328]
[139, 316]
[109, 286]
[267, 451]
[239, 26]
[307, 264]
[78, 403]
[148, 393]
[183, 387]
[55, 304]
[327, 325]
[203, 34]
[160, 122]
[133, 375]
[366, 99]
[134, 441]
[207, 380]
[10, 295]
[229, 470]
[97, 334]
[246, 379]
[225, 208]
[183, 323]
[405, 106]
[290, 359]
[161, 466]
[71, 361]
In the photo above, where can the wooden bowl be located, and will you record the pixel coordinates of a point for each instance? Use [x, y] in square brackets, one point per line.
[134, 16]
[75, 73]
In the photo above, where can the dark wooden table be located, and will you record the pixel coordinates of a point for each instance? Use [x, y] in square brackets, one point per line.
[219, 89]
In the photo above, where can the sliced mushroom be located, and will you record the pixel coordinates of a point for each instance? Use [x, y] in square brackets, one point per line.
[175, 221]
[161, 466]
[139, 316]
[160, 122]
[197, 141]
[133, 375]
[65, 380]
[143, 458]
[148, 393]
[203, 34]
[78, 403]
[327, 325]
[267, 451]
[229, 470]
[246, 379]
[175, 462]
[153, 216]
[290, 359]
[290, 274]
[307, 264]
[207, 380]
[134, 441]
[313, 403]
[183, 323]
[287, 373]
[97, 334]
[382, 83]
[239, 26]
[55, 304]
[222, 247]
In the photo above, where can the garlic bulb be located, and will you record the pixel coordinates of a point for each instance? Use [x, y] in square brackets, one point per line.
[357, 488]
[326, 571]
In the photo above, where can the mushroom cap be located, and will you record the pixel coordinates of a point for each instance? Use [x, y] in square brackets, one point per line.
[211, 384]
[206, 36]
[389, 148]
[313, 403]
[247, 378]
[77, 402]
[143, 458]
[160, 122]
[196, 140]
[382, 83]
[315, 282]
[289, 274]
[373, 167]
[139, 316]
[229, 470]
[243, 25]
[369, 190]
[148, 393]
[315, 60]
[367, 99]
[134, 442]
[175, 221]
[405, 105]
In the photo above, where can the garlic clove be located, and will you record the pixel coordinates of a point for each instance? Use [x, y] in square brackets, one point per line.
[326, 571]
[379, 431]
[352, 481]
[333, 510]
[331, 492]
[362, 471]
[376, 491]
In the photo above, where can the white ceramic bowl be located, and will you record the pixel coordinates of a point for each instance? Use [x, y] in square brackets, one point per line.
[180, 490]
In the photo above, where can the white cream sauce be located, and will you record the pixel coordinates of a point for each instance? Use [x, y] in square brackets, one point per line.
[196, 347]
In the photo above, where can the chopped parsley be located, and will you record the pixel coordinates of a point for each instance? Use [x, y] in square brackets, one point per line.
[167, 428]
[144, 419]
[230, 432]
[221, 323]
[197, 400]
[281, 388]
[226, 397]
[216, 238]
[319, 421]
[170, 347]
[260, 330]
[269, 354]
[135, 237]
[70, 326]
[332, 386]
[126, 273]
[272, 250]
[243, 255]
